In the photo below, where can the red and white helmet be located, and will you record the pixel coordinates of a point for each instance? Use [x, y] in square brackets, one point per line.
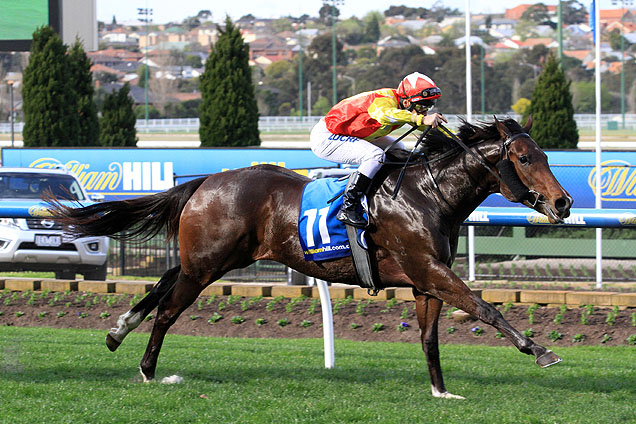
[419, 89]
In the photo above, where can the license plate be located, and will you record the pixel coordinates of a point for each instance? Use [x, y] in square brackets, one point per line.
[48, 240]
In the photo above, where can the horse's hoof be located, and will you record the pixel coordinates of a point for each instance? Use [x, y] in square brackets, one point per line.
[547, 359]
[444, 395]
[111, 343]
[146, 378]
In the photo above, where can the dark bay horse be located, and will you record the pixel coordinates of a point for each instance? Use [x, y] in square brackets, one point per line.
[231, 219]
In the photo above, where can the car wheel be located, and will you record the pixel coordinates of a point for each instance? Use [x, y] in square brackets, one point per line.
[65, 275]
[97, 274]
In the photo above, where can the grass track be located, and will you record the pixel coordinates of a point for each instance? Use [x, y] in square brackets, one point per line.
[61, 376]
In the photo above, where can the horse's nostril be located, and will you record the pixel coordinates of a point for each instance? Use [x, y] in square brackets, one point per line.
[562, 204]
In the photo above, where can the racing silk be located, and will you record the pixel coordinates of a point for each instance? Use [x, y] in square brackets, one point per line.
[368, 115]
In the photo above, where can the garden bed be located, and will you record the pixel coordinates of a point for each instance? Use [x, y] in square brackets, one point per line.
[235, 316]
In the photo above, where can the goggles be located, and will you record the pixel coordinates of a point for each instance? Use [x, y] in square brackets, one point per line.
[423, 106]
[425, 95]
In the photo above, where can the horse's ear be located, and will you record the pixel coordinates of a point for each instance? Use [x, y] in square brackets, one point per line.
[528, 124]
[504, 132]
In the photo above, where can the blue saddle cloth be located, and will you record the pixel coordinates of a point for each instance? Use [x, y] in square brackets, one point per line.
[322, 236]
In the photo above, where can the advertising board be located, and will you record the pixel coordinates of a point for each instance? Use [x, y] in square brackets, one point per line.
[124, 173]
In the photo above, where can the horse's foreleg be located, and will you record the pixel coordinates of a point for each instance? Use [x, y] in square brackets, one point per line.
[428, 309]
[131, 319]
[185, 292]
[445, 285]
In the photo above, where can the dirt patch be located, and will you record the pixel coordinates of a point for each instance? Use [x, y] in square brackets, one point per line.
[302, 318]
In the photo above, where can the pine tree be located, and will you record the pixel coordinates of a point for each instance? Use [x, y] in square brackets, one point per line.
[49, 98]
[552, 111]
[82, 78]
[117, 125]
[229, 114]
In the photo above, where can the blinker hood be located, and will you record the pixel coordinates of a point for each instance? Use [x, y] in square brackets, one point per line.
[511, 179]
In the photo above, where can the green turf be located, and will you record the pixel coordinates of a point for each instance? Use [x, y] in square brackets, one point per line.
[56, 376]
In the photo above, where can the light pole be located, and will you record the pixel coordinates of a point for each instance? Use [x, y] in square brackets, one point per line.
[11, 117]
[623, 3]
[333, 4]
[146, 12]
[353, 83]
[300, 76]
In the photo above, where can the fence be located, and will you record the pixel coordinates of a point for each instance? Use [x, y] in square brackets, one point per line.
[295, 124]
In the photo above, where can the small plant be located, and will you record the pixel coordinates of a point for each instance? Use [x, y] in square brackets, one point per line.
[584, 315]
[211, 299]
[237, 319]
[7, 301]
[221, 306]
[272, 303]
[355, 326]
[606, 338]
[450, 330]
[499, 335]
[631, 340]
[312, 307]
[611, 316]
[149, 317]
[508, 306]
[233, 298]
[67, 304]
[293, 302]
[449, 312]
[361, 308]
[477, 331]
[215, 317]
[558, 319]
[60, 314]
[531, 310]
[260, 321]
[19, 314]
[135, 299]
[42, 314]
[111, 300]
[633, 319]
[104, 315]
[554, 335]
[199, 304]
[247, 303]
[283, 322]
[82, 314]
[402, 327]
[405, 313]
[529, 332]
[194, 317]
[388, 305]
[306, 323]
[377, 327]
[31, 300]
[578, 338]
[589, 309]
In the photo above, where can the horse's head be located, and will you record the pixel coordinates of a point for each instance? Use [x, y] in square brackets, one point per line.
[527, 178]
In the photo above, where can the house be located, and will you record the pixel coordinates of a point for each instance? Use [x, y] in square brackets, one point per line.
[272, 47]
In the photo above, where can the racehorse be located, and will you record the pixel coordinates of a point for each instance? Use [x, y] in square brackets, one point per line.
[231, 219]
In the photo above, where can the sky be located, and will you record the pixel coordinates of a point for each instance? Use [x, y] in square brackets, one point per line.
[175, 11]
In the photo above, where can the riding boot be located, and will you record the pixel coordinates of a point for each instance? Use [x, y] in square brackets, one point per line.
[350, 211]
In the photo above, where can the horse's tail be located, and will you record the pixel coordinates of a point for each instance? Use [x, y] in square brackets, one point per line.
[141, 217]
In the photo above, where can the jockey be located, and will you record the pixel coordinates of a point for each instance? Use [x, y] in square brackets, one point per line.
[355, 131]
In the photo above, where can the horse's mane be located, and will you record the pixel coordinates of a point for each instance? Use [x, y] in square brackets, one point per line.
[438, 143]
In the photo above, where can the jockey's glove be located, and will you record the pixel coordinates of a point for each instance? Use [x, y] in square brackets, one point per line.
[417, 118]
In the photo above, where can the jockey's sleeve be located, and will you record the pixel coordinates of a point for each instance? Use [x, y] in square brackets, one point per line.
[384, 109]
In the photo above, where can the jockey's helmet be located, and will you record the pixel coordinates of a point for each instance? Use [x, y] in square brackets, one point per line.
[420, 90]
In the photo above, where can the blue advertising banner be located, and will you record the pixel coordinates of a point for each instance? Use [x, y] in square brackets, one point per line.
[125, 173]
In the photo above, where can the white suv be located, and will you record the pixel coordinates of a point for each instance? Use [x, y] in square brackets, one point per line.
[38, 243]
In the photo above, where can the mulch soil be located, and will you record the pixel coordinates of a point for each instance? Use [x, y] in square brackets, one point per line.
[359, 320]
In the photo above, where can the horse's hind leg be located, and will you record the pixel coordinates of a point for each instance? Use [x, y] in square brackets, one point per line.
[185, 292]
[428, 309]
[131, 319]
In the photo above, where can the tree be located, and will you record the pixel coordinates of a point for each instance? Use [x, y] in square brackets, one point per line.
[573, 12]
[142, 71]
[82, 77]
[537, 13]
[117, 126]
[229, 114]
[372, 28]
[327, 13]
[49, 98]
[552, 110]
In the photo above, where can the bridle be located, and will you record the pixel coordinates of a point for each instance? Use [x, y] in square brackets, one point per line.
[507, 173]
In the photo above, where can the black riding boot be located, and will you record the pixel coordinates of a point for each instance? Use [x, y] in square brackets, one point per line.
[350, 211]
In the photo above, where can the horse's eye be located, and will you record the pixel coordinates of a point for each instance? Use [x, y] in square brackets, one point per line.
[523, 159]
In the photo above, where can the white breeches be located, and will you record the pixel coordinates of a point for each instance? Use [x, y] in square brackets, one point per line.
[350, 150]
